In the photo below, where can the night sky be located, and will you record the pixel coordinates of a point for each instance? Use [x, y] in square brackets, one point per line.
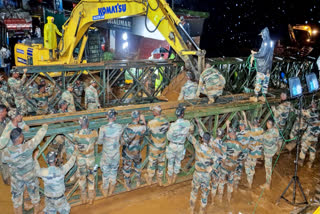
[233, 26]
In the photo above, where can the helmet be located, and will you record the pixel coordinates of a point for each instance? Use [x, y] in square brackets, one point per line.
[51, 157]
[111, 113]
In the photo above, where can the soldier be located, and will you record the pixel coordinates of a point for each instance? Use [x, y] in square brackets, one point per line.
[228, 167]
[131, 151]
[91, 96]
[4, 120]
[255, 149]
[19, 158]
[203, 167]
[54, 186]
[42, 99]
[175, 151]
[270, 147]
[78, 91]
[4, 95]
[68, 97]
[211, 83]
[85, 140]
[63, 107]
[109, 136]
[157, 128]
[281, 114]
[309, 141]
[189, 89]
[16, 87]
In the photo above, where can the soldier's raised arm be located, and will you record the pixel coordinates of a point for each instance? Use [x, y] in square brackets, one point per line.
[201, 132]
[66, 167]
[36, 140]
[36, 164]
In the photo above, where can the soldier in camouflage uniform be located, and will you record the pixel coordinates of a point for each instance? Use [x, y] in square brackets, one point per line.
[85, 140]
[19, 158]
[131, 152]
[175, 151]
[109, 137]
[68, 97]
[42, 99]
[189, 89]
[4, 120]
[203, 167]
[211, 83]
[234, 150]
[54, 186]
[63, 107]
[4, 95]
[16, 87]
[270, 147]
[157, 129]
[281, 114]
[78, 91]
[309, 142]
[91, 96]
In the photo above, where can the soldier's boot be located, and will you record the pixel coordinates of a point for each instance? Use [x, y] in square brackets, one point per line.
[309, 164]
[148, 179]
[127, 185]
[229, 195]
[202, 210]
[191, 208]
[169, 178]
[91, 196]
[83, 198]
[104, 191]
[111, 189]
[18, 210]
[300, 162]
[174, 178]
[262, 98]
[159, 180]
[254, 99]
[138, 183]
[36, 208]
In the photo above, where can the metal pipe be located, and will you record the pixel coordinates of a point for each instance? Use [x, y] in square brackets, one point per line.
[189, 37]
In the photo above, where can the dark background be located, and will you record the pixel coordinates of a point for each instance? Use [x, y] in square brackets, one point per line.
[233, 26]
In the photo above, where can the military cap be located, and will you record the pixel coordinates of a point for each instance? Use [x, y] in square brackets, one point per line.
[241, 123]
[156, 108]
[111, 113]
[14, 70]
[206, 136]
[255, 121]
[13, 113]
[84, 120]
[51, 157]
[220, 132]
[92, 81]
[70, 85]
[231, 130]
[135, 114]
[180, 110]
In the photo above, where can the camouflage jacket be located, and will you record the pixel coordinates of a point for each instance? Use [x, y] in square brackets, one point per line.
[233, 151]
[270, 142]
[68, 97]
[4, 98]
[109, 137]
[5, 137]
[188, 91]
[3, 124]
[131, 140]
[219, 151]
[243, 138]
[19, 157]
[85, 140]
[212, 80]
[281, 112]
[179, 131]
[91, 96]
[255, 146]
[16, 86]
[53, 177]
[77, 91]
[157, 128]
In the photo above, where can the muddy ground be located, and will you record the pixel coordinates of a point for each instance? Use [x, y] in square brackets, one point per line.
[175, 199]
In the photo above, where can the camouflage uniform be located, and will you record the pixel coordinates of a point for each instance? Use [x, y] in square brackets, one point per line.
[254, 152]
[78, 91]
[309, 142]
[4, 98]
[201, 175]
[54, 186]
[42, 101]
[5, 140]
[303, 123]
[4, 168]
[91, 98]
[19, 158]
[16, 88]
[243, 138]
[85, 139]
[270, 147]
[211, 83]
[188, 91]
[262, 82]
[234, 150]
[175, 151]
[157, 128]
[68, 97]
[109, 137]
[131, 151]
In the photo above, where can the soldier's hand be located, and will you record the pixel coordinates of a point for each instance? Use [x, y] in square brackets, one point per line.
[25, 70]
[228, 123]
[35, 155]
[26, 128]
[209, 169]
[45, 126]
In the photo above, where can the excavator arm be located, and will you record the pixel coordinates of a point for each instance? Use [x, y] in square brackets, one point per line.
[88, 12]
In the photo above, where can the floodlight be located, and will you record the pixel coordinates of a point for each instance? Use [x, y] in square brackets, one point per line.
[295, 87]
[312, 82]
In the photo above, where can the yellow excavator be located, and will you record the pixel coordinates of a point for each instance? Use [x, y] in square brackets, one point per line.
[88, 12]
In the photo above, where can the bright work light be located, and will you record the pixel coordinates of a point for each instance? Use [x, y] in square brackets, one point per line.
[312, 82]
[295, 87]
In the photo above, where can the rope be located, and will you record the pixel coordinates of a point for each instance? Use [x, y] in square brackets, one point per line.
[285, 140]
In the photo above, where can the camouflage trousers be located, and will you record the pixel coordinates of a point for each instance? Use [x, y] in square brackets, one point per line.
[250, 166]
[127, 166]
[268, 166]
[4, 170]
[175, 154]
[200, 179]
[156, 162]
[227, 177]
[17, 189]
[238, 173]
[215, 179]
[296, 129]
[21, 104]
[306, 146]
[92, 106]
[86, 177]
[262, 82]
[109, 167]
[60, 205]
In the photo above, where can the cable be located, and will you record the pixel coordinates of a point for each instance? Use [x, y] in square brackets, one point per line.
[145, 20]
[156, 7]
